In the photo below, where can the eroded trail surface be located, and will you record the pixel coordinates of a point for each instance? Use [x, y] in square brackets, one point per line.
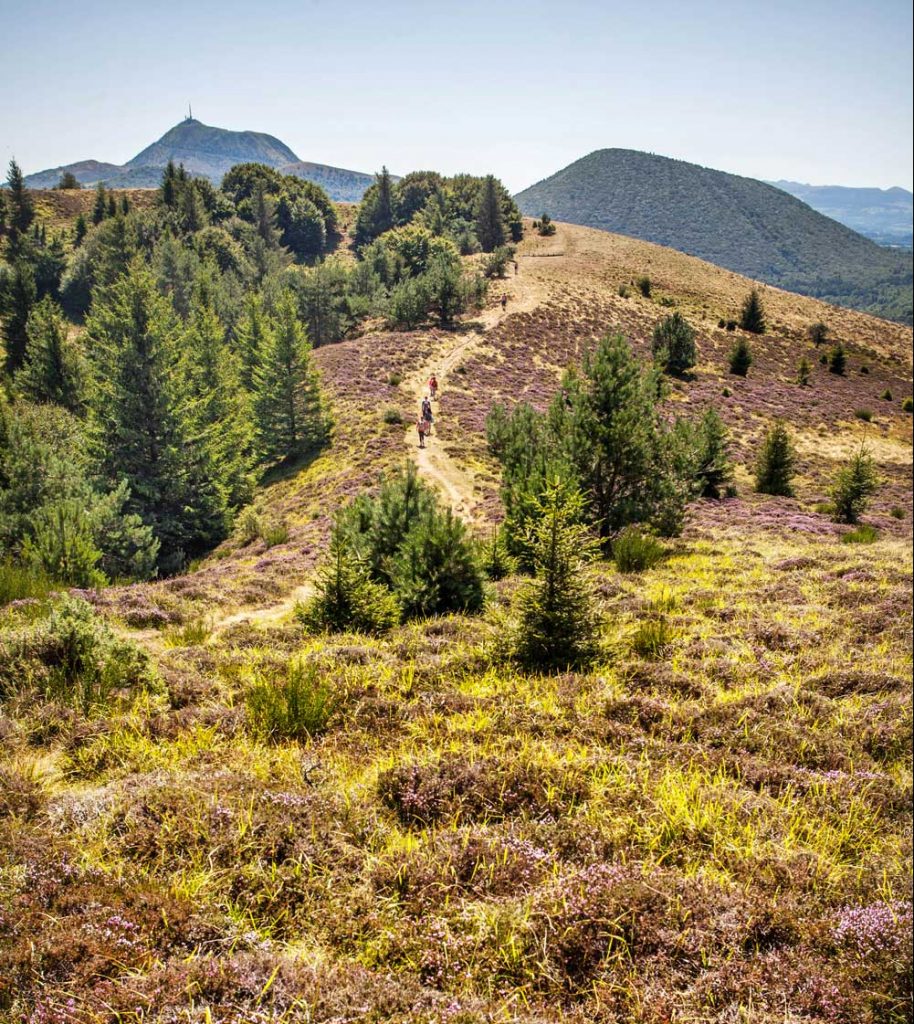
[455, 481]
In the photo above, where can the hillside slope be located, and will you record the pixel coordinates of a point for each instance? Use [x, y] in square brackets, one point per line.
[717, 829]
[208, 152]
[734, 222]
[884, 215]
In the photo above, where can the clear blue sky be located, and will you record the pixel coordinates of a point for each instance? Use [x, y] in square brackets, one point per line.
[817, 91]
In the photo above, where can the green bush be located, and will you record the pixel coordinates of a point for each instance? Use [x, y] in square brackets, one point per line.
[886, 395]
[544, 225]
[273, 533]
[864, 414]
[558, 628]
[897, 512]
[864, 534]
[496, 264]
[818, 333]
[635, 551]
[774, 468]
[297, 707]
[752, 315]
[854, 486]
[907, 405]
[837, 360]
[673, 344]
[395, 379]
[347, 599]
[624, 291]
[73, 656]
[804, 370]
[740, 358]
[644, 285]
[392, 416]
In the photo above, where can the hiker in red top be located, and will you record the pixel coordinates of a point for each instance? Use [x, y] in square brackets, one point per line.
[433, 386]
[422, 429]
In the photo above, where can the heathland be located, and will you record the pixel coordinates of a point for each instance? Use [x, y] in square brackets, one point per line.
[217, 803]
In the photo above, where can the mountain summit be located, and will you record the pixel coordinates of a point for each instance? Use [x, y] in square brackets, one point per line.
[738, 223]
[207, 152]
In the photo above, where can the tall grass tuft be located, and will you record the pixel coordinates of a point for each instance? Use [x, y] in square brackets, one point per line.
[634, 551]
[18, 583]
[295, 708]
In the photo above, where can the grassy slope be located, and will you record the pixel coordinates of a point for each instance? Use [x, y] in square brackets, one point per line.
[736, 222]
[656, 840]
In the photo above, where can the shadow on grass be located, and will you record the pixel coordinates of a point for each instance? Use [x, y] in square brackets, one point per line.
[288, 468]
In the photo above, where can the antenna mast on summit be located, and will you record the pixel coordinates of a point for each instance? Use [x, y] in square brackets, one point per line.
[190, 113]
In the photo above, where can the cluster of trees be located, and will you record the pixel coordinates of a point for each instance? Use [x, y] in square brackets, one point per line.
[127, 448]
[477, 214]
[606, 435]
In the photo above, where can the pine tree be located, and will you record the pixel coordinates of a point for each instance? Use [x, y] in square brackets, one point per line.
[818, 333]
[837, 360]
[112, 205]
[142, 433]
[740, 358]
[287, 402]
[124, 204]
[21, 210]
[774, 469]
[68, 180]
[490, 224]
[53, 370]
[79, 231]
[250, 339]
[854, 485]
[384, 209]
[218, 407]
[673, 344]
[713, 470]
[101, 204]
[752, 315]
[803, 372]
[168, 191]
[18, 299]
[557, 627]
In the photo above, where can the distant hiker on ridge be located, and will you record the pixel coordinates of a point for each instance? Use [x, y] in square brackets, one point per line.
[433, 386]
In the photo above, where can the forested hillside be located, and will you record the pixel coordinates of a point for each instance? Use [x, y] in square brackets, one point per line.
[734, 222]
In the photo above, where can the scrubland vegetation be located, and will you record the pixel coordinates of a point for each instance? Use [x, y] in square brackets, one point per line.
[630, 742]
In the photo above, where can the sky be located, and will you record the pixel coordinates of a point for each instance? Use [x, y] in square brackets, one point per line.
[816, 91]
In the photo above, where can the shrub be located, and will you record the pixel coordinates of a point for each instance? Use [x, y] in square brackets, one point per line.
[864, 414]
[837, 360]
[194, 633]
[886, 395]
[652, 637]
[274, 533]
[249, 525]
[823, 359]
[347, 599]
[673, 344]
[864, 534]
[75, 657]
[496, 264]
[854, 486]
[818, 333]
[409, 302]
[804, 369]
[544, 225]
[865, 370]
[731, 325]
[726, 393]
[395, 379]
[497, 561]
[740, 358]
[774, 469]
[635, 551]
[557, 627]
[644, 285]
[907, 405]
[709, 454]
[896, 512]
[624, 291]
[298, 707]
[392, 416]
[752, 315]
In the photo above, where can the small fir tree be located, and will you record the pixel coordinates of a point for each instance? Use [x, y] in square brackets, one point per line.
[68, 180]
[804, 370]
[752, 315]
[557, 627]
[673, 344]
[854, 486]
[740, 358]
[774, 469]
[53, 370]
[837, 360]
[20, 209]
[818, 333]
[287, 402]
[79, 231]
[713, 469]
[100, 208]
[18, 299]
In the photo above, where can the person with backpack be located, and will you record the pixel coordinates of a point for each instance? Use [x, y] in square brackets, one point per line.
[421, 430]
[427, 412]
[433, 386]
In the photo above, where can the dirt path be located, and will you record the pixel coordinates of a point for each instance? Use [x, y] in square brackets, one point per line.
[456, 482]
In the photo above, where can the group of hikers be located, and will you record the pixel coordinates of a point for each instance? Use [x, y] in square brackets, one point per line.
[424, 423]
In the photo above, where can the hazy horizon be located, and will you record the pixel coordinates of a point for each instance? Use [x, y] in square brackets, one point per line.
[819, 95]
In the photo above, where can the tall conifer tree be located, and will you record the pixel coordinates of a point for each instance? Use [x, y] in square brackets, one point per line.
[490, 225]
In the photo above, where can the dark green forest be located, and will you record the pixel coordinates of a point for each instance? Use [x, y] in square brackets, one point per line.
[158, 362]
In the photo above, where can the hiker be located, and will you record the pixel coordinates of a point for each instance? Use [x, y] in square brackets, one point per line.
[504, 300]
[433, 386]
[427, 412]
[515, 268]
[421, 430]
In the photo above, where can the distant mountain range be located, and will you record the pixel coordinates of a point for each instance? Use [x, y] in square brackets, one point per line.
[881, 214]
[207, 152]
[745, 225]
